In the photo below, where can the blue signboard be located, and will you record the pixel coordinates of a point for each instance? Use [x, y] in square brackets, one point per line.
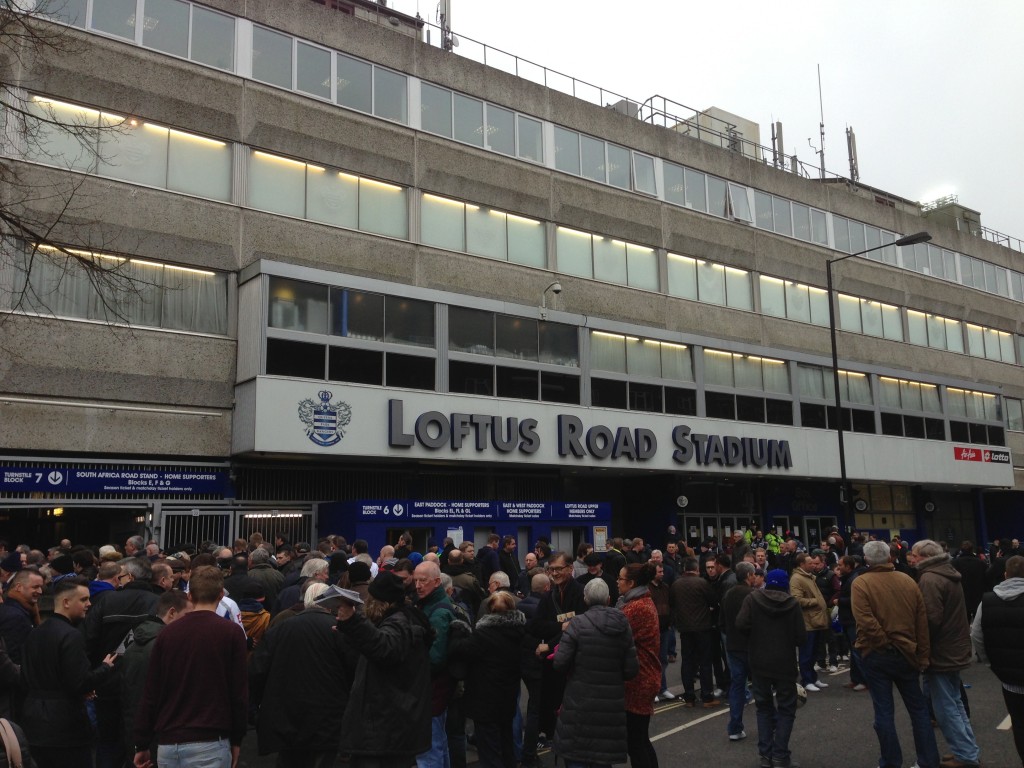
[62, 480]
[400, 510]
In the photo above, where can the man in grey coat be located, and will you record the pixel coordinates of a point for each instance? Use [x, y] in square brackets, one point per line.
[598, 647]
[950, 652]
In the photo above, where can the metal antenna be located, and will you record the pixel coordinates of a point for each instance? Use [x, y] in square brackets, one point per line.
[821, 127]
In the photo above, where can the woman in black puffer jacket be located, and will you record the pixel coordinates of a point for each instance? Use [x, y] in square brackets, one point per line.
[598, 654]
[493, 652]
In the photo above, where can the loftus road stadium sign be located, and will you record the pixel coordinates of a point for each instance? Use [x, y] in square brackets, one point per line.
[282, 416]
[435, 431]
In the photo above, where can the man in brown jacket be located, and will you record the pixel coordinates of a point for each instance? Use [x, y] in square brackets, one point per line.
[804, 588]
[950, 640]
[892, 637]
[692, 599]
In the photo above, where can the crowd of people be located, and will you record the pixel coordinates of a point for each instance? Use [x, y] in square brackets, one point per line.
[131, 656]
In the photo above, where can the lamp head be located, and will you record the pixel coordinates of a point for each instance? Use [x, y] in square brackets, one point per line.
[556, 288]
[919, 237]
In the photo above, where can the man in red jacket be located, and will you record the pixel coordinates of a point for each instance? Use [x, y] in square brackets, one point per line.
[196, 696]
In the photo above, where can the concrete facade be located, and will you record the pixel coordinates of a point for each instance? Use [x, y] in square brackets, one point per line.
[145, 395]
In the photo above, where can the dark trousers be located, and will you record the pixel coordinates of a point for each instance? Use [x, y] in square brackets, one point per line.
[718, 665]
[807, 653]
[304, 758]
[67, 757]
[531, 722]
[638, 741]
[695, 653]
[1015, 708]
[856, 664]
[455, 728]
[775, 717]
[494, 744]
[110, 749]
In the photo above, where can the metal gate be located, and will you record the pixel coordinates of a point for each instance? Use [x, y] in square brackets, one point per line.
[294, 525]
[181, 529]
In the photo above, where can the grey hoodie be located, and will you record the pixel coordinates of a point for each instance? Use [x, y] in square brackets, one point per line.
[1009, 589]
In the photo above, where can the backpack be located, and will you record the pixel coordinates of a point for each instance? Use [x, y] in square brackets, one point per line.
[460, 628]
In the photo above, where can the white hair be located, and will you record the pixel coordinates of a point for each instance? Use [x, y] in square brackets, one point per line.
[313, 591]
[876, 553]
[595, 592]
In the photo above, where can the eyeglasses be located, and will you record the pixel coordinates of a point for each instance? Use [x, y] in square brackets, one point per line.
[559, 567]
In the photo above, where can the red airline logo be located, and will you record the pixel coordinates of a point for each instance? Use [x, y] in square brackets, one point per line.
[963, 453]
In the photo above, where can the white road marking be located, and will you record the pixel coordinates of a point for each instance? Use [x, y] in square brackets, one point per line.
[723, 711]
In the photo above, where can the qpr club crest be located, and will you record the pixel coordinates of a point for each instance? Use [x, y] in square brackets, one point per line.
[325, 421]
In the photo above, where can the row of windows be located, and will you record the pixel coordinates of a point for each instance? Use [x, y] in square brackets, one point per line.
[507, 356]
[808, 304]
[113, 289]
[170, 26]
[190, 31]
[148, 153]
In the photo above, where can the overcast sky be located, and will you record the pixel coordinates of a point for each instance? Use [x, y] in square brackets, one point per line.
[933, 89]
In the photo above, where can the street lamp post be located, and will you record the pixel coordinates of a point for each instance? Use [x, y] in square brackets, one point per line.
[844, 491]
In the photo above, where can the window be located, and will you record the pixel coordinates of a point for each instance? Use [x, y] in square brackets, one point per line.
[592, 158]
[696, 192]
[516, 337]
[618, 166]
[115, 17]
[708, 282]
[389, 95]
[277, 184]
[383, 209]
[470, 378]
[470, 330]
[297, 306]
[443, 222]
[357, 314]
[605, 258]
[782, 216]
[567, 151]
[501, 130]
[643, 174]
[717, 202]
[213, 39]
[738, 202]
[355, 79]
[295, 358]
[138, 292]
[487, 232]
[64, 135]
[68, 11]
[359, 366]
[332, 197]
[272, 57]
[313, 70]
[531, 139]
[166, 26]
[1014, 414]
[801, 222]
[469, 120]
[675, 190]
[408, 371]
[409, 321]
